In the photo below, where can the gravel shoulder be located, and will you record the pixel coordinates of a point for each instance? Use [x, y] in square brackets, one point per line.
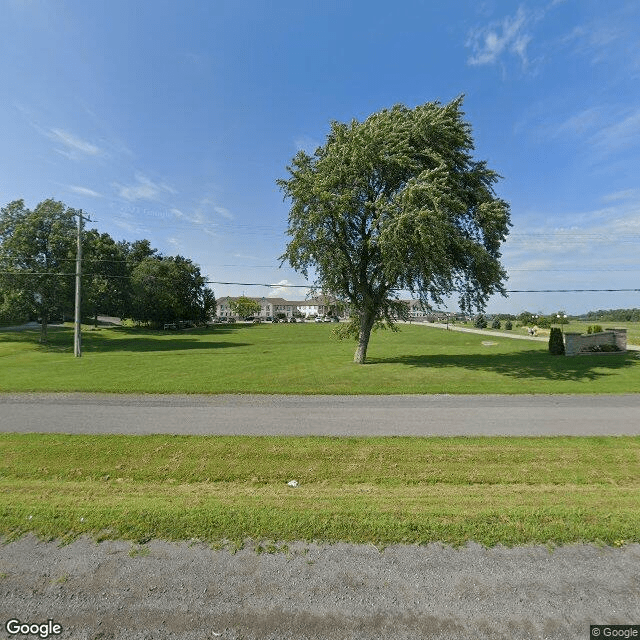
[189, 591]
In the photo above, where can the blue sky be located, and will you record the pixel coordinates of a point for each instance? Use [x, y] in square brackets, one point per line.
[171, 120]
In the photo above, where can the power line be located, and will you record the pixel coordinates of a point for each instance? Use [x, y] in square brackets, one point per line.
[309, 286]
[571, 290]
[259, 284]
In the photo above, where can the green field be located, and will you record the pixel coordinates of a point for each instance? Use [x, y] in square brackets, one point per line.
[304, 359]
[226, 490]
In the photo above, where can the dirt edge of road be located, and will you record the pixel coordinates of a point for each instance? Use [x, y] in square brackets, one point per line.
[163, 590]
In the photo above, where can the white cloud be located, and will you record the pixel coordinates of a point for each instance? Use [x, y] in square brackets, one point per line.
[143, 189]
[74, 147]
[84, 191]
[283, 289]
[490, 42]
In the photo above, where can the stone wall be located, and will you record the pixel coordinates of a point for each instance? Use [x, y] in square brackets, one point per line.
[576, 343]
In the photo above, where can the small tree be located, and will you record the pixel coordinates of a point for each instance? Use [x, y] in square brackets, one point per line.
[556, 342]
[244, 307]
[508, 325]
[496, 324]
[480, 322]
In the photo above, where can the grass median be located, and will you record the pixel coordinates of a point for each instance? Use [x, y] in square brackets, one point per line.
[301, 359]
[225, 490]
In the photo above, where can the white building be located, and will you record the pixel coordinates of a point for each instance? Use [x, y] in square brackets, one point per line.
[271, 307]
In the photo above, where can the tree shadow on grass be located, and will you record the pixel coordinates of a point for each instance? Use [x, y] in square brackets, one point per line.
[132, 339]
[525, 365]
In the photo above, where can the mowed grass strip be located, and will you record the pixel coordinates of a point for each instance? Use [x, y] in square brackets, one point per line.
[302, 359]
[361, 490]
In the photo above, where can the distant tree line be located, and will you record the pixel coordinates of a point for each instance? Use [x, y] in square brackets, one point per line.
[615, 315]
[526, 318]
[122, 279]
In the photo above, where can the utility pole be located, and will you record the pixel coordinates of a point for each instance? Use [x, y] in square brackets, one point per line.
[77, 336]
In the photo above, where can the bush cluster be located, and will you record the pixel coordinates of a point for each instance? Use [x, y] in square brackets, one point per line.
[556, 342]
[594, 328]
[603, 348]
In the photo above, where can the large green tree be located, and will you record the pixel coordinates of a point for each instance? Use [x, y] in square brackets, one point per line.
[106, 276]
[396, 203]
[169, 289]
[37, 250]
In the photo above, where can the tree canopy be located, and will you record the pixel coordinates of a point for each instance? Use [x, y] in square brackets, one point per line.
[128, 280]
[244, 307]
[37, 247]
[169, 289]
[396, 203]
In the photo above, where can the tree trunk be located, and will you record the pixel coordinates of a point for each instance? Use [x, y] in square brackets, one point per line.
[43, 328]
[366, 324]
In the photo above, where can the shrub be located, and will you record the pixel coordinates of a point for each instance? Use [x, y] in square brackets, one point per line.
[556, 342]
[480, 322]
[596, 328]
[508, 325]
[496, 324]
[603, 348]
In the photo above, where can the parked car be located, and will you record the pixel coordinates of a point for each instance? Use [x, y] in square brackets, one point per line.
[292, 319]
[275, 321]
[319, 319]
[335, 319]
[326, 319]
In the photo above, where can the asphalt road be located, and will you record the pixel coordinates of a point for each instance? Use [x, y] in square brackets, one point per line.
[417, 415]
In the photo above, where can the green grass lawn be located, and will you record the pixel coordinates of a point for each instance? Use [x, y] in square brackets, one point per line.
[633, 328]
[374, 490]
[301, 358]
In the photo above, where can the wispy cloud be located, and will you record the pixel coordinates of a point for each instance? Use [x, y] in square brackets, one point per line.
[73, 146]
[625, 132]
[604, 237]
[490, 42]
[84, 191]
[624, 195]
[143, 189]
[599, 131]
[175, 243]
[225, 213]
